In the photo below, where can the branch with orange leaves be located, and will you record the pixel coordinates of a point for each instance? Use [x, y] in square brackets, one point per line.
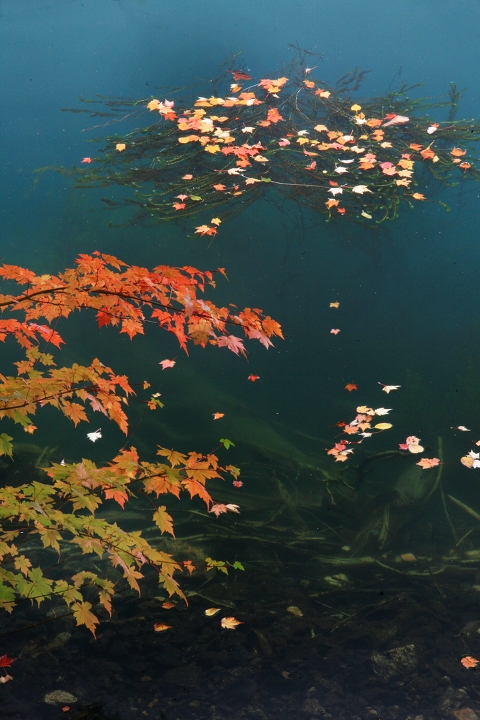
[128, 296]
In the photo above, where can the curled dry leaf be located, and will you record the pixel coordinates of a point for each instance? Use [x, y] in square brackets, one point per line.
[168, 605]
[161, 627]
[210, 612]
[230, 623]
[295, 611]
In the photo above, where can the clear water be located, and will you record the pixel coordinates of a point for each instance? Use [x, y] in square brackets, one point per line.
[409, 316]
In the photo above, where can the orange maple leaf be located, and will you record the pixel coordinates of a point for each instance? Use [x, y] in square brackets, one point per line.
[120, 496]
[206, 230]
[350, 387]
[426, 463]
[469, 662]
[457, 152]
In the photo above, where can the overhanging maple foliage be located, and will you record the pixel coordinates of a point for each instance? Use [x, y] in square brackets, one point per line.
[62, 509]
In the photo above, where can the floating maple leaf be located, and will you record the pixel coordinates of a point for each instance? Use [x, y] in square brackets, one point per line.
[87, 160]
[350, 387]
[253, 378]
[360, 189]
[240, 75]
[389, 388]
[230, 623]
[334, 304]
[334, 331]
[218, 508]
[469, 662]
[94, 436]
[6, 661]
[426, 463]
[167, 364]
[412, 444]
[217, 415]
[206, 230]
[382, 411]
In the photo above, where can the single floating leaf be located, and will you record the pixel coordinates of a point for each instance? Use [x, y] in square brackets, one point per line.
[230, 623]
[161, 627]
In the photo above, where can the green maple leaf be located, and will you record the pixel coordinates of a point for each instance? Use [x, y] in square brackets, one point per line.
[6, 446]
[227, 443]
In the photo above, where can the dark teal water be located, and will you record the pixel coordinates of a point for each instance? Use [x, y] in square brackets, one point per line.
[409, 316]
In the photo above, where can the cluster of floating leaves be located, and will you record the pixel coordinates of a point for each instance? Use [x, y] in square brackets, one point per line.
[361, 160]
[361, 426]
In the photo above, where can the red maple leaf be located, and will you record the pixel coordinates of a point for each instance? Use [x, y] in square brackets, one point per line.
[6, 661]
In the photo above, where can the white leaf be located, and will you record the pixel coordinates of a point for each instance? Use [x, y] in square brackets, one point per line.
[389, 388]
[382, 411]
[94, 436]
[336, 191]
[341, 169]
[360, 189]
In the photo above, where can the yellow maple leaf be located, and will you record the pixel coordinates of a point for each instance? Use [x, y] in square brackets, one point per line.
[212, 148]
[335, 304]
[83, 616]
[418, 196]
[153, 104]
[355, 108]
[215, 221]
[120, 147]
